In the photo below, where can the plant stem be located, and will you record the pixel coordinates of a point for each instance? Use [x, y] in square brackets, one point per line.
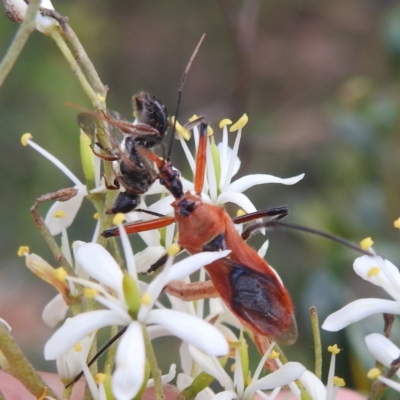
[155, 371]
[24, 31]
[14, 362]
[76, 69]
[61, 195]
[317, 341]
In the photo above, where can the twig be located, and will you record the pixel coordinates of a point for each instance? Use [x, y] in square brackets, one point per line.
[61, 195]
[24, 31]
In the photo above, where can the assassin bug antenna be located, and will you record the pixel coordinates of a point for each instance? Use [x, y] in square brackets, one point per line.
[178, 102]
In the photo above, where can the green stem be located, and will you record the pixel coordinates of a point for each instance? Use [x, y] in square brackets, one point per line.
[76, 69]
[14, 362]
[110, 359]
[317, 341]
[83, 60]
[24, 31]
[155, 371]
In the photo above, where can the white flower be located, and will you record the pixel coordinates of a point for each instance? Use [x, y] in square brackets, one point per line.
[237, 388]
[383, 349]
[223, 164]
[130, 366]
[43, 24]
[68, 208]
[379, 272]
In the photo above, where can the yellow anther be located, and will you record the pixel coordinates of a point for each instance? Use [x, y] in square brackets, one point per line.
[334, 349]
[249, 380]
[240, 212]
[193, 118]
[96, 216]
[100, 378]
[397, 223]
[338, 381]
[90, 293]
[118, 219]
[373, 271]
[78, 347]
[174, 249]
[23, 250]
[233, 367]
[60, 274]
[25, 139]
[274, 354]
[241, 122]
[224, 122]
[60, 214]
[181, 131]
[146, 299]
[366, 243]
[373, 373]
[210, 131]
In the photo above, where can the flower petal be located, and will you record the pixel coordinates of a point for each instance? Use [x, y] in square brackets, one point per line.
[55, 311]
[358, 310]
[192, 330]
[77, 328]
[100, 265]
[193, 263]
[211, 366]
[387, 278]
[69, 207]
[383, 350]
[288, 373]
[237, 198]
[246, 182]
[315, 388]
[146, 258]
[226, 395]
[130, 364]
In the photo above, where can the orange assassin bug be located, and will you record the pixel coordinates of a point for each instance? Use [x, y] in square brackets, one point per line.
[245, 282]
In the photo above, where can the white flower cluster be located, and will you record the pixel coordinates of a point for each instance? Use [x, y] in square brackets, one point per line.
[383, 273]
[124, 300]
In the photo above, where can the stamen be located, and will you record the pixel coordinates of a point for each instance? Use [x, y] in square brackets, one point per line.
[173, 250]
[60, 214]
[180, 130]
[78, 347]
[90, 293]
[146, 299]
[273, 355]
[338, 381]
[397, 223]
[240, 212]
[210, 131]
[373, 373]
[96, 216]
[25, 139]
[366, 243]
[52, 159]
[60, 274]
[334, 349]
[225, 122]
[241, 122]
[193, 118]
[373, 271]
[100, 378]
[233, 367]
[23, 251]
[118, 219]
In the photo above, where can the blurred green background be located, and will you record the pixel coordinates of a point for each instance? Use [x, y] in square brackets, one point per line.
[319, 81]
